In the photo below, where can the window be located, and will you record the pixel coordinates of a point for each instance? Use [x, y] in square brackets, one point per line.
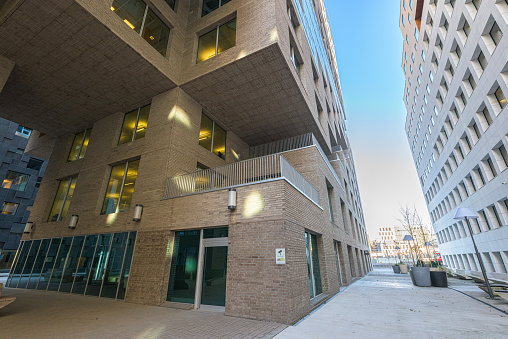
[329, 190]
[63, 199]
[38, 182]
[9, 208]
[79, 145]
[296, 61]
[501, 99]
[403, 21]
[212, 137]
[314, 271]
[138, 16]
[34, 164]
[15, 181]
[211, 5]
[431, 76]
[120, 187]
[134, 125]
[216, 41]
[23, 132]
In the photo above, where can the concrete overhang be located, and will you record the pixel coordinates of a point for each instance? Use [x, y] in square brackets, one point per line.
[74, 66]
[258, 97]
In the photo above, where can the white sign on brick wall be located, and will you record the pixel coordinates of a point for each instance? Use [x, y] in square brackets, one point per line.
[280, 256]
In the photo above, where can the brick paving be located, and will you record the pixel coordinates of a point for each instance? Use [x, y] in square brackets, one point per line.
[39, 314]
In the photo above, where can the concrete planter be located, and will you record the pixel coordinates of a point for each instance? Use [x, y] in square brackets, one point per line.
[396, 269]
[438, 278]
[421, 276]
[403, 268]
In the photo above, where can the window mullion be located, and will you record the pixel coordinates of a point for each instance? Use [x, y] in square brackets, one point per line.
[213, 131]
[82, 143]
[217, 42]
[65, 199]
[121, 188]
[143, 22]
[136, 125]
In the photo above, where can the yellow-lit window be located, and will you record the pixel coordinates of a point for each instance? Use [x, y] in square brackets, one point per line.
[212, 137]
[79, 145]
[218, 40]
[134, 125]
[16, 181]
[120, 188]
[63, 199]
[9, 208]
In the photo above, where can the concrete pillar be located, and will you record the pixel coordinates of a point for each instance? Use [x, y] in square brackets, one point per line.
[6, 67]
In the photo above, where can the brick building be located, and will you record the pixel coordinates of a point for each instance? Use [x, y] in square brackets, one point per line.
[21, 176]
[149, 113]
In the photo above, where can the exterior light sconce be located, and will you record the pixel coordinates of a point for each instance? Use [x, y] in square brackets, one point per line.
[232, 199]
[74, 221]
[138, 211]
[28, 227]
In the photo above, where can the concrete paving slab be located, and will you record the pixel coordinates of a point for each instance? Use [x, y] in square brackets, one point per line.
[387, 305]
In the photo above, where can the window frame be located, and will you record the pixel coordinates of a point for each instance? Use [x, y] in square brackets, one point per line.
[86, 133]
[212, 136]
[19, 174]
[217, 31]
[59, 217]
[135, 125]
[122, 188]
[16, 206]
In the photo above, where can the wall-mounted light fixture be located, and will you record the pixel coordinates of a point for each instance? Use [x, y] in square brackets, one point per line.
[74, 221]
[28, 227]
[232, 199]
[138, 211]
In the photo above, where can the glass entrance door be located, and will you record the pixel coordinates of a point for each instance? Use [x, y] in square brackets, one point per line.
[214, 276]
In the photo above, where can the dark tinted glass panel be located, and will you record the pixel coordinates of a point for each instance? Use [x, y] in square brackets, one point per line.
[39, 263]
[182, 279]
[124, 277]
[129, 123]
[128, 187]
[156, 33]
[71, 264]
[219, 141]
[227, 36]
[34, 164]
[215, 232]
[209, 6]
[61, 259]
[84, 264]
[142, 122]
[98, 265]
[315, 266]
[214, 276]
[130, 11]
[49, 262]
[16, 272]
[114, 266]
[205, 132]
[30, 260]
[76, 147]
[207, 46]
[171, 3]
[309, 270]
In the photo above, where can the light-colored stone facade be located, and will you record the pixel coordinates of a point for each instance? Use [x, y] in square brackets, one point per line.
[255, 93]
[459, 139]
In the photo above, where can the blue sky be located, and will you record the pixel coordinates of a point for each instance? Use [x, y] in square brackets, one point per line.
[368, 46]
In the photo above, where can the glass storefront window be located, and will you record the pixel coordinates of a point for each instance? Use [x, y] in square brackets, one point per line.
[138, 16]
[134, 125]
[120, 188]
[49, 262]
[92, 264]
[79, 145]
[15, 181]
[62, 200]
[212, 137]
[218, 40]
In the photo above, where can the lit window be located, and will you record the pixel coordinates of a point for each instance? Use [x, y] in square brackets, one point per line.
[211, 5]
[9, 208]
[79, 145]
[62, 200]
[212, 137]
[120, 188]
[23, 132]
[138, 16]
[218, 40]
[134, 125]
[15, 181]
[501, 99]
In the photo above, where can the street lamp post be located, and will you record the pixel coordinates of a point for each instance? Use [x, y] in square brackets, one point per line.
[427, 244]
[398, 252]
[466, 213]
[408, 238]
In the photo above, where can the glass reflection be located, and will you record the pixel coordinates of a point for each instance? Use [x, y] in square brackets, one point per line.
[130, 11]
[16, 272]
[98, 265]
[114, 266]
[126, 266]
[156, 33]
[60, 262]
[118, 199]
[38, 265]
[49, 262]
[129, 124]
[71, 264]
[128, 187]
[79, 146]
[63, 199]
[205, 132]
[84, 264]
[219, 142]
[214, 276]
[142, 122]
[227, 36]
[30, 259]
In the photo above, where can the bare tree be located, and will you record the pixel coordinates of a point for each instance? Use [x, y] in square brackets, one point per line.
[411, 223]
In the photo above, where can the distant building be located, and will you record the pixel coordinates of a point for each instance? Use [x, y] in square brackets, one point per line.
[456, 71]
[20, 177]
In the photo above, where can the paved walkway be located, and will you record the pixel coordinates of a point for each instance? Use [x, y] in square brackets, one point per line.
[387, 305]
[40, 314]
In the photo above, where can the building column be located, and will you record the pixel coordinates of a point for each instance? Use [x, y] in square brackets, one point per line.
[6, 67]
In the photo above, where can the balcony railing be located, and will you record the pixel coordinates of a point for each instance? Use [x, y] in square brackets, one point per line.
[248, 172]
